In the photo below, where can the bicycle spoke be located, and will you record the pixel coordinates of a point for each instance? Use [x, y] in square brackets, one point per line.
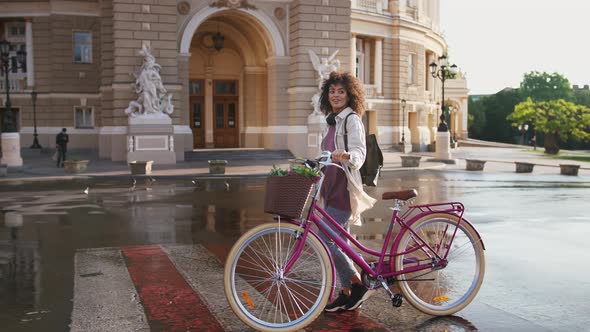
[444, 288]
[267, 298]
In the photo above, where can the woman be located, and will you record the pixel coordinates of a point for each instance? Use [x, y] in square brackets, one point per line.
[342, 192]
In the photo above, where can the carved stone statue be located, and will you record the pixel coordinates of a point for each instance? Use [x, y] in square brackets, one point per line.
[152, 95]
[325, 66]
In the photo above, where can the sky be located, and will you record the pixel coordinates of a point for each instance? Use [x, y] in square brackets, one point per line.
[495, 42]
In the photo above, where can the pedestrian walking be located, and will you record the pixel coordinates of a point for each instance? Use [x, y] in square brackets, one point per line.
[61, 143]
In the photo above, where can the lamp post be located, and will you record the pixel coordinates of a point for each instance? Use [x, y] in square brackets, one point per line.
[403, 121]
[35, 144]
[523, 129]
[8, 123]
[443, 73]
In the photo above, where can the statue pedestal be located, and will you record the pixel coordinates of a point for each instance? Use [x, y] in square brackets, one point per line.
[151, 137]
[11, 150]
[443, 148]
[316, 123]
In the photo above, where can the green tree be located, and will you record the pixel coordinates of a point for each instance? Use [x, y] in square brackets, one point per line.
[476, 118]
[557, 119]
[497, 107]
[582, 97]
[545, 87]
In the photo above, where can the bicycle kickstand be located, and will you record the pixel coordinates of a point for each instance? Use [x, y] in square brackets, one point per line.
[396, 299]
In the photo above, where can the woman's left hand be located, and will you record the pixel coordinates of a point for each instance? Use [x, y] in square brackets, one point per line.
[339, 155]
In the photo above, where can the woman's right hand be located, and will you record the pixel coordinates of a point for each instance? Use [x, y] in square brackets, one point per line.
[339, 155]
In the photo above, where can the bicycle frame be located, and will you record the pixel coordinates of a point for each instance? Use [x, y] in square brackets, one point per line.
[385, 267]
[383, 256]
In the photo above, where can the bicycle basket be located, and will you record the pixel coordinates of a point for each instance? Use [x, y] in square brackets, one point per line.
[287, 195]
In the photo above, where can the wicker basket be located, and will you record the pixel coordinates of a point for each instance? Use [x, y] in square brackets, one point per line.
[287, 195]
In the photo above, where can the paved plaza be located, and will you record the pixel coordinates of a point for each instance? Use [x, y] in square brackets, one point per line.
[124, 273]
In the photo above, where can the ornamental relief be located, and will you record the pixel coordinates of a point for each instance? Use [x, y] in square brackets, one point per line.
[232, 4]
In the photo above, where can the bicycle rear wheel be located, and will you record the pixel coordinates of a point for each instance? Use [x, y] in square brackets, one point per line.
[444, 290]
[258, 290]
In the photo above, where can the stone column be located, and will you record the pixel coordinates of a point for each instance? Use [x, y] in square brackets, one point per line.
[276, 112]
[464, 119]
[29, 46]
[324, 32]
[429, 78]
[378, 74]
[209, 107]
[353, 54]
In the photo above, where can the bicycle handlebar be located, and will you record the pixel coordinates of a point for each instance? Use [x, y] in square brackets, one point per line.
[325, 159]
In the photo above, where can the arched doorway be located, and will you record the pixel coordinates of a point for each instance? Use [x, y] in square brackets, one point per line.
[228, 75]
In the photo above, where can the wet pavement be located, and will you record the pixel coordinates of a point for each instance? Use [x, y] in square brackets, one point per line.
[534, 227]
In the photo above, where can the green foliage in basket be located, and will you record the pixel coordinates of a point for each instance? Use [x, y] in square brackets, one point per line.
[277, 171]
[301, 170]
[306, 171]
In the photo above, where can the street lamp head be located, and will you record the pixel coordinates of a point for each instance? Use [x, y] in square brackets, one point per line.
[444, 61]
[454, 69]
[433, 66]
[526, 127]
[403, 103]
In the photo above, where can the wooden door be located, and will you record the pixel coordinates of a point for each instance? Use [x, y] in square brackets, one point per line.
[197, 112]
[197, 115]
[225, 114]
[225, 124]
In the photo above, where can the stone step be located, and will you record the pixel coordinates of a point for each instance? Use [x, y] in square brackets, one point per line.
[237, 154]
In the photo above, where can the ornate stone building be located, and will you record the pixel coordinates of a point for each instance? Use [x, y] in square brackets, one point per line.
[239, 71]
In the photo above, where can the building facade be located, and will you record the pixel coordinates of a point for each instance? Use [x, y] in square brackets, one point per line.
[239, 70]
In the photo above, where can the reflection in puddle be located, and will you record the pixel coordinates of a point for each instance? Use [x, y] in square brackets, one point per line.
[20, 262]
[43, 224]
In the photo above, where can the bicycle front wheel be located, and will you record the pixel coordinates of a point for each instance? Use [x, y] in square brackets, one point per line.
[441, 291]
[260, 292]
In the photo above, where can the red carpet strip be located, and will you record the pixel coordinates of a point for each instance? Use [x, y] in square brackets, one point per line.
[169, 302]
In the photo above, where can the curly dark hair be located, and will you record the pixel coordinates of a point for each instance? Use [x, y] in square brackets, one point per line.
[354, 90]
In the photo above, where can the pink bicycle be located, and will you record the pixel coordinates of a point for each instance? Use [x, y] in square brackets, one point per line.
[280, 276]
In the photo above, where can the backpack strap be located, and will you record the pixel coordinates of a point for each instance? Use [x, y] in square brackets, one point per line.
[346, 131]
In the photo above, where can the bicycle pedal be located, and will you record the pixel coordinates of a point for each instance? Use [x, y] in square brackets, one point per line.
[397, 300]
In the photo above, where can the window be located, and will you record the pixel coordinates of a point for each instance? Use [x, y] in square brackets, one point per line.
[225, 88]
[196, 87]
[84, 117]
[220, 116]
[82, 47]
[197, 115]
[231, 115]
[15, 31]
[364, 47]
[411, 71]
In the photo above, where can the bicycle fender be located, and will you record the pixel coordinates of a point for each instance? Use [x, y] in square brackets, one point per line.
[483, 246]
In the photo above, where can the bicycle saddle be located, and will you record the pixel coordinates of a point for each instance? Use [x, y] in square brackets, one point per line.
[403, 195]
